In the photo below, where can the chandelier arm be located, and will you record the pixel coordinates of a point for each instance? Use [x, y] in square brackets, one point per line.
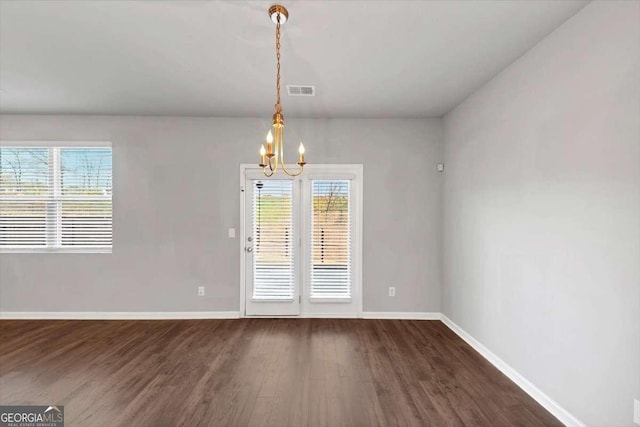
[273, 166]
[289, 173]
[283, 162]
[272, 163]
[284, 168]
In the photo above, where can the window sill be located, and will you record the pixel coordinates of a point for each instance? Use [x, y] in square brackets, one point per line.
[55, 250]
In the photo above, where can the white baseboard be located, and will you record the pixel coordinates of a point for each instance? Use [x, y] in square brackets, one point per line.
[133, 315]
[549, 404]
[402, 315]
[118, 315]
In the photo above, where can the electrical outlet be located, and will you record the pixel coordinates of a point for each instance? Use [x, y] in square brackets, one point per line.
[636, 411]
[392, 291]
[232, 233]
[200, 291]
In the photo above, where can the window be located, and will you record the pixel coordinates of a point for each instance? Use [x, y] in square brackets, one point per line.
[302, 242]
[273, 271]
[330, 239]
[55, 198]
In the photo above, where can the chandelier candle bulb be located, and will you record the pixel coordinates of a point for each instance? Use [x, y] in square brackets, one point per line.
[301, 152]
[269, 144]
[263, 158]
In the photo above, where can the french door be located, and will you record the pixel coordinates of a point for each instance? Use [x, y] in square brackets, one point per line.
[301, 242]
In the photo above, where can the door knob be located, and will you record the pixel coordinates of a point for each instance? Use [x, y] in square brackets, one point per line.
[249, 249]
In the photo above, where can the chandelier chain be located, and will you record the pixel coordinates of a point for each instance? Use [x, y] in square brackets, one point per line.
[272, 157]
[278, 63]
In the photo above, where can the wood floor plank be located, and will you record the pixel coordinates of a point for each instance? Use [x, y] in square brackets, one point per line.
[258, 372]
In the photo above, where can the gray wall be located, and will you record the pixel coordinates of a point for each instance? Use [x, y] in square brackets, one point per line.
[176, 192]
[542, 211]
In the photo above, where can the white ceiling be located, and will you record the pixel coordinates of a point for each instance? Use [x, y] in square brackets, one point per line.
[366, 59]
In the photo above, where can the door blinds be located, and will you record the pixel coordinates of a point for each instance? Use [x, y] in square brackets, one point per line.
[273, 268]
[331, 239]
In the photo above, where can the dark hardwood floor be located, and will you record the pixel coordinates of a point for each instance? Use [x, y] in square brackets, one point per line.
[258, 372]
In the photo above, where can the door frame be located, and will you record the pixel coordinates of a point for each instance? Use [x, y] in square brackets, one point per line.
[355, 169]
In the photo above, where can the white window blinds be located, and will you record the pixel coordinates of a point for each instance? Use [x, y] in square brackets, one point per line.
[272, 211]
[55, 197]
[331, 239]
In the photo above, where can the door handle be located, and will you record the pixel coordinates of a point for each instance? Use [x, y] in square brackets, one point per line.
[249, 249]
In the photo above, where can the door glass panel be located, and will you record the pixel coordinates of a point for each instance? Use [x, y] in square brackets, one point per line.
[272, 212]
[330, 239]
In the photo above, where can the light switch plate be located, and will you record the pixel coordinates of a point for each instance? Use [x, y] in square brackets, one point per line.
[440, 167]
[200, 291]
[232, 233]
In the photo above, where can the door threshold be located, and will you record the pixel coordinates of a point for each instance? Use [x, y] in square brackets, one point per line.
[306, 316]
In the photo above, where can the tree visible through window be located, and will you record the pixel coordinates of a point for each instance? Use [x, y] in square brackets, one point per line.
[330, 239]
[55, 197]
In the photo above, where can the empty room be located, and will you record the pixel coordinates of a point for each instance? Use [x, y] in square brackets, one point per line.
[320, 213]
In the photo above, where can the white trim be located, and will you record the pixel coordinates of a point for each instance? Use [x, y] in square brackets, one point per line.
[549, 404]
[324, 300]
[242, 235]
[56, 177]
[132, 315]
[117, 315]
[56, 198]
[308, 316]
[315, 169]
[329, 315]
[358, 239]
[177, 315]
[401, 315]
[64, 250]
[49, 143]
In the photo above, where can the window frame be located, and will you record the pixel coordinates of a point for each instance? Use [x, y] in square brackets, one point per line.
[55, 195]
[352, 307]
[328, 175]
[294, 206]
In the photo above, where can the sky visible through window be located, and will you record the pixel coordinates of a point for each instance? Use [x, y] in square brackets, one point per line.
[25, 170]
[55, 197]
[86, 169]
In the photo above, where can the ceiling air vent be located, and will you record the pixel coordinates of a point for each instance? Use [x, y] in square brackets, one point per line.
[298, 90]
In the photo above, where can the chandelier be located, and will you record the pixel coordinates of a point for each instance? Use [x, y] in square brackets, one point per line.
[274, 153]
